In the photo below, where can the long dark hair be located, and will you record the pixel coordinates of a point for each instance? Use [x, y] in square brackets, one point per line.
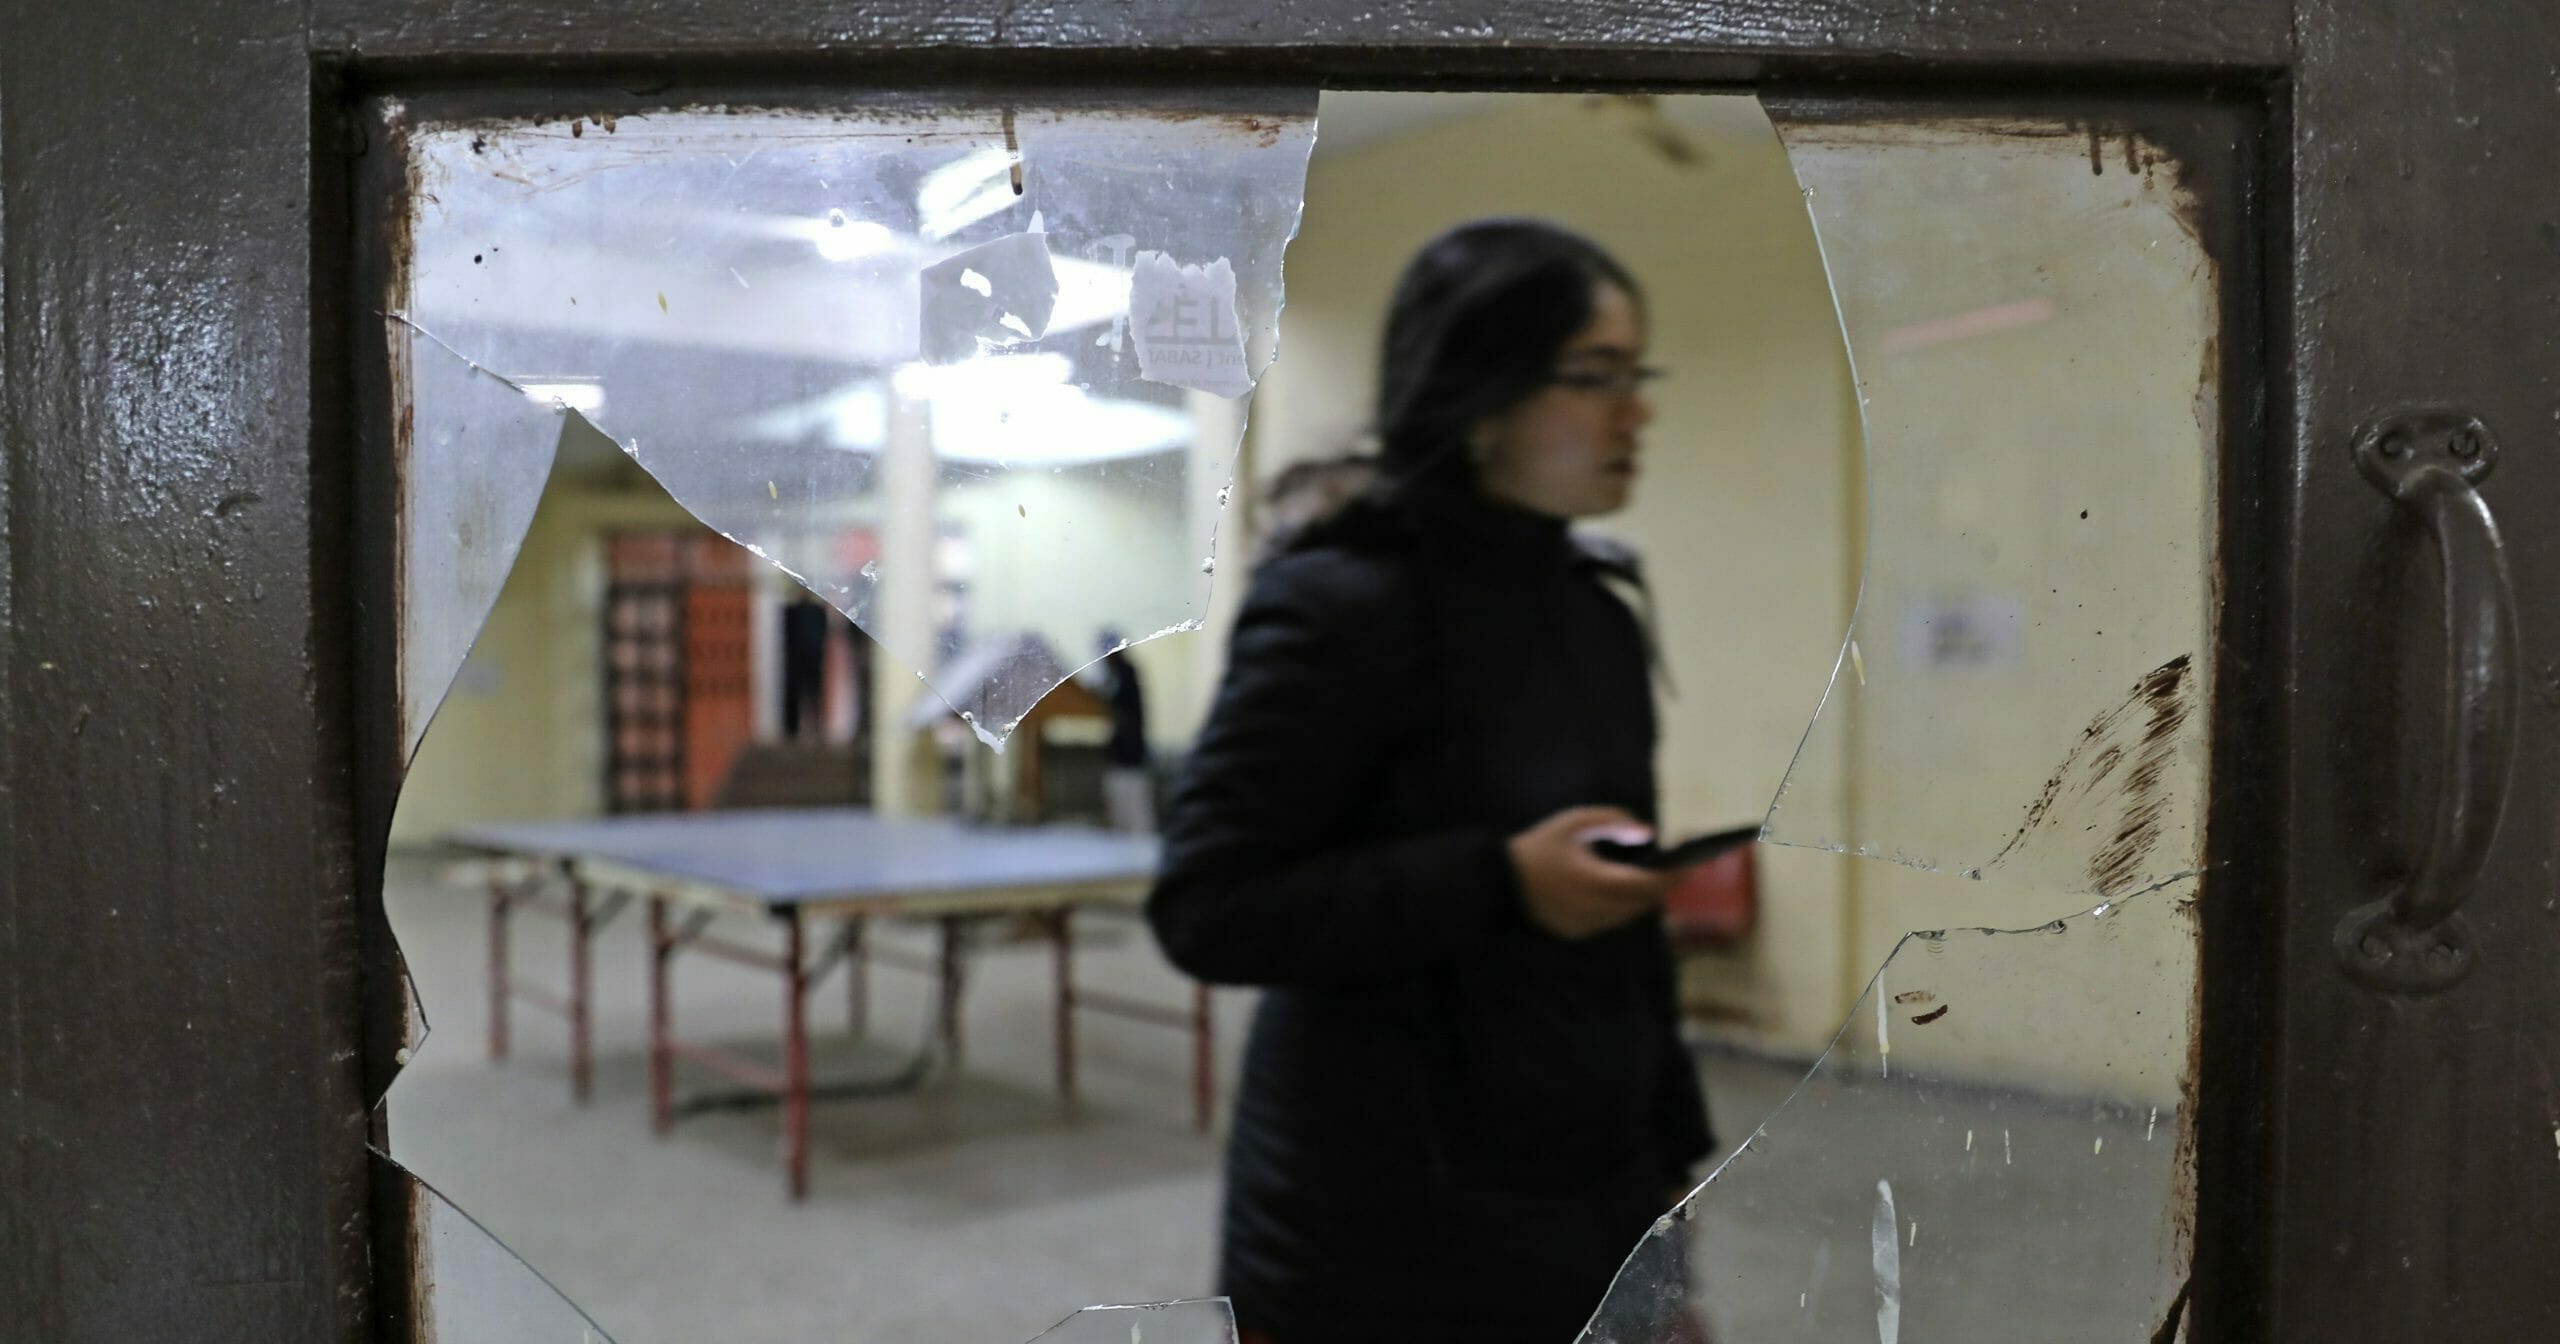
[1474, 329]
[1477, 321]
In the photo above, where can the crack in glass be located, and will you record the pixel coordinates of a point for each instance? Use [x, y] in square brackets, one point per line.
[2021, 693]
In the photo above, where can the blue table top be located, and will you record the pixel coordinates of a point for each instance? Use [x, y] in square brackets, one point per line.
[798, 855]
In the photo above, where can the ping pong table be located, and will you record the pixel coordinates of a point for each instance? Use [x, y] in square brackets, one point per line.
[808, 869]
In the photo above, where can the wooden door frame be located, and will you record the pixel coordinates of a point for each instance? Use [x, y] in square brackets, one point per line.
[192, 622]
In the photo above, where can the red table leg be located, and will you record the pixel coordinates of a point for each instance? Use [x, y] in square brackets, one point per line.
[1061, 934]
[857, 976]
[500, 899]
[661, 1061]
[1204, 1085]
[952, 970]
[795, 1060]
[581, 1055]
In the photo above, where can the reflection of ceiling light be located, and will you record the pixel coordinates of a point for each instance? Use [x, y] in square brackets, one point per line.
[1020, 410]
[1052, 426]
[1010, 410]
[990, 376]
[964, 191]
[854, 418]
[1964, 326]
[841, 239]
[1089, 292]
[838, 236]
[584, 395]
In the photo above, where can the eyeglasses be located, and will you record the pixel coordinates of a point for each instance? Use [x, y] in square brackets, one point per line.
[1617, 384]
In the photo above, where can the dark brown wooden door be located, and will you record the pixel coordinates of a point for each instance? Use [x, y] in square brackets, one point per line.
[196, 728]
[2412, 1194]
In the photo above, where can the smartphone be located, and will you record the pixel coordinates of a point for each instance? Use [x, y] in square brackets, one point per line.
[1686, 854]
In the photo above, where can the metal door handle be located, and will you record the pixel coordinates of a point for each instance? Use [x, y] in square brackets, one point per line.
[2429, 459]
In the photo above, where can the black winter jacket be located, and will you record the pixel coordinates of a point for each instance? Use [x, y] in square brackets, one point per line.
[1453, 1126]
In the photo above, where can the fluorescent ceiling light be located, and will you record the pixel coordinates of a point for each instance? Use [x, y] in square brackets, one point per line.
[854, 418]
[1016, 411]
[1050, 425]
[840, 239]
[964, 191]
[1089, 293]
[989, 376]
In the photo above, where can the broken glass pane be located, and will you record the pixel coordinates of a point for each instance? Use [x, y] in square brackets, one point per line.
[1195, 1321]
[2031, 318]
[1995, 1142]
[967, 369]
[474, 472]
[467, 1288]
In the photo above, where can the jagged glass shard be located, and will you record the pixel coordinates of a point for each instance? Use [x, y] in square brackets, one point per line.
[2024, 692]
[2026, 1177]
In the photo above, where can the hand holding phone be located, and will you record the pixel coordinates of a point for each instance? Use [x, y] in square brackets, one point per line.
[1572, 892]
[1652, 856]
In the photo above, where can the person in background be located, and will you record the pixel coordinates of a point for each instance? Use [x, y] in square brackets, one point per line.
[1128, 785]
[1465, 1097]
[804, 668]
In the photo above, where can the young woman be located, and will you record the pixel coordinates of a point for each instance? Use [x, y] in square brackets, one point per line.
[1465, 1097]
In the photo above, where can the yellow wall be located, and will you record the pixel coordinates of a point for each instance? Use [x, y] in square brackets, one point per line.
[1143, 581]
[521, 737]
